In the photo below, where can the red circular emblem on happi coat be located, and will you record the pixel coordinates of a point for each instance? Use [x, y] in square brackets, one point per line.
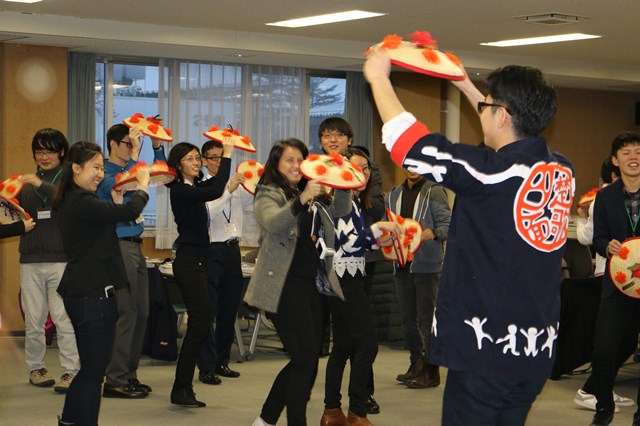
[542, 206]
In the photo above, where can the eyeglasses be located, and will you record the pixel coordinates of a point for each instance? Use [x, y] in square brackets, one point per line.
[366, 169]
[44, 153]
[481, 106]
[197, 159]
[329, 136]
[128, 144]
[214, 158]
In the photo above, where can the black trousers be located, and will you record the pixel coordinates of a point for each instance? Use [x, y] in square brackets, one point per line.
[191, 277]
[94, 323]
[354, 339]
[616, 337]
[299, 325]
[225, 291]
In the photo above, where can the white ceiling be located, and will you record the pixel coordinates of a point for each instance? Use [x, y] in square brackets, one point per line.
[219, 30]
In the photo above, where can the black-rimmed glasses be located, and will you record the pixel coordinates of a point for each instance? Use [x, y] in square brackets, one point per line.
[483, 104]
[215, 158]
[128, 144]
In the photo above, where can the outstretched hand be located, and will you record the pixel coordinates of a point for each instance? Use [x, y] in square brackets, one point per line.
[377, 65]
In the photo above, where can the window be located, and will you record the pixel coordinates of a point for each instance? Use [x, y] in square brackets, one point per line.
[135, 89]
[326, 99]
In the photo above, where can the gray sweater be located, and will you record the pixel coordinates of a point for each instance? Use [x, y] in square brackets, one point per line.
[43, 244]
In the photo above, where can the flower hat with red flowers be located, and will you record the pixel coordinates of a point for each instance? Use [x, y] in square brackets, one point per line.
[332, 170]
[588, 197]
[624, 268]
[10, 210]
[420, 54]
[159, 174]
[252, 171]
[150, 126]
[404, 247]
[241, 142]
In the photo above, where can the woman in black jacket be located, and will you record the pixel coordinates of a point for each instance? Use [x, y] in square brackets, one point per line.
[94, 269]
[188, 197]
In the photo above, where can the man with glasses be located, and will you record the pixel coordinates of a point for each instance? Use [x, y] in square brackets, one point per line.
[226, 218]
[336, 135]
[42, 263]
[124, 147]
[497, 310]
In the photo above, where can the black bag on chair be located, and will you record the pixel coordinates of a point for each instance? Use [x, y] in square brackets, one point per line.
[161, 337]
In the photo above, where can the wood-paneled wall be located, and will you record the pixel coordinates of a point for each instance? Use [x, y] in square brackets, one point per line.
[33, 95]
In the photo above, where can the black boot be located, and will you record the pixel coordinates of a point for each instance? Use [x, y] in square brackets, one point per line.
[186, 397]
[416, 366]
[61, 423]
[428, 377]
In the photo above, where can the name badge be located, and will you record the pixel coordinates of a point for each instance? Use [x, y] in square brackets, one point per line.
[44, 213]
[139, 219]
[230, 228]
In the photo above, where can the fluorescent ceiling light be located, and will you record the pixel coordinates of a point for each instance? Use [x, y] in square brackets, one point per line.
[540, 40]
[24, 1]
[326, 19]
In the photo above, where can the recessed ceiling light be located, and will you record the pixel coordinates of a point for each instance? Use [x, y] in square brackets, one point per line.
[326, 19]
[24, 1]
[540, 40]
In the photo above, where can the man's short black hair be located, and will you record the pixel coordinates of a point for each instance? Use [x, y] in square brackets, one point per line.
[531, 101]
[116, 133]
[338, 124]
[52, 140]
[624, 139]
[210, 144]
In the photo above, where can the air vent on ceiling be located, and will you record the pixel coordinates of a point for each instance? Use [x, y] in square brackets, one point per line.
[551, 19]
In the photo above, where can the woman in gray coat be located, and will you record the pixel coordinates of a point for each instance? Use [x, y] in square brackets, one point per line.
[283, 282]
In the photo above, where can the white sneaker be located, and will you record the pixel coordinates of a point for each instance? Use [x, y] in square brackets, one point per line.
[260, 422]
[623, 401]
[589, 401]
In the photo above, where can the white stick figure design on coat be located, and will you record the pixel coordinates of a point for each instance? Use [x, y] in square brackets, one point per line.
[477, 325]
[434, 324]
[551, 337]
[511, 340]
[532, 335]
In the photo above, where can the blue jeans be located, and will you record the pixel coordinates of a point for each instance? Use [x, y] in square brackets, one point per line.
[94, 323]
[470, 399]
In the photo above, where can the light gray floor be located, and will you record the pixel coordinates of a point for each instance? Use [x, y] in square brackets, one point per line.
[238, 401]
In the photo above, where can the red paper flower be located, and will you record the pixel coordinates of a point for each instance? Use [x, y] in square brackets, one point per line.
[391, 41]
[336, 158]
[346, 175]
[11, 188]
[153, 128]
[409, 257]
[213, 129]
[400, 220]
[313, 157]
[251, 163]
[168, 130]
[235, 132]
[387, 249]
[431, 56]
[260, 171]
[248, 174]
[422, 39]
[636, 272]
[624, 252]
[134, 119]
[621, 277]
[226, 133]
[355, 166]
[246, 140]
[321, 170]
[453, 58]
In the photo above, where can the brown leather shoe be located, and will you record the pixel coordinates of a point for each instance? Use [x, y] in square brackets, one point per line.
[355, 420]
[333, 417]
[429, 378]
[411, 372]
